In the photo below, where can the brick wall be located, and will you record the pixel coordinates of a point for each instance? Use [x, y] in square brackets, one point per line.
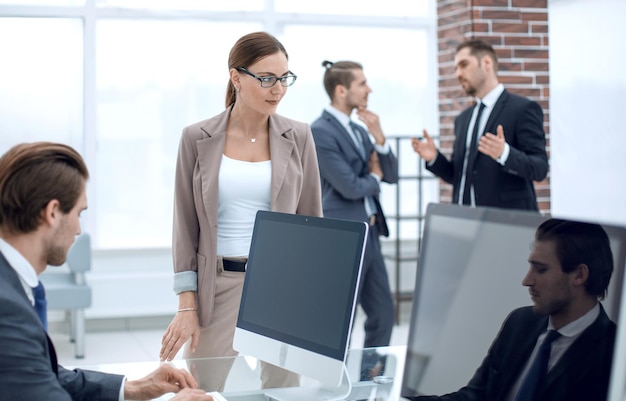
[518, 31]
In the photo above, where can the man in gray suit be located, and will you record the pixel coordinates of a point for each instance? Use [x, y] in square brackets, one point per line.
[351, 168]
[42, 193]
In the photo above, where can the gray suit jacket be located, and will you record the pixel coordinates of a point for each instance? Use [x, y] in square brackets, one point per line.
[346, 178]
[28, 362]
[295, 189]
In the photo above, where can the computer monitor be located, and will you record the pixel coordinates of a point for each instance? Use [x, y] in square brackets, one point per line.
[299, 293]
[469, 277]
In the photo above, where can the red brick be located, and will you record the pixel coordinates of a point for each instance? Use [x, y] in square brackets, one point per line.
[503, 52]
[527, 92]
[538, 27]
[501, 15]
[530, 3]
[521, 27]
[538, 16]
[510, 66]
[531, 53]
[523, 41]
[536, 66]
[491, 3]
[516, 79]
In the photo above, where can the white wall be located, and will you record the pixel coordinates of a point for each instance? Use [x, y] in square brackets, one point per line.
[587, 109]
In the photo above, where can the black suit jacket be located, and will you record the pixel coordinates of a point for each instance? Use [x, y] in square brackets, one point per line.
[28, 362]
[581, 374]
[344, 172]
[509, 186]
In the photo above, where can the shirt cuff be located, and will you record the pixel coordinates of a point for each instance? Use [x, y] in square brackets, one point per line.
[185, 281]
[121, 398]
[376, 177]
[383, 149]
[430, 163]
[505, 154]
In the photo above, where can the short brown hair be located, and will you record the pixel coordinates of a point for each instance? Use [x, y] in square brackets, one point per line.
[248, 50]
[339, 73]
[581, 243]
[33, 174]
[479, 48]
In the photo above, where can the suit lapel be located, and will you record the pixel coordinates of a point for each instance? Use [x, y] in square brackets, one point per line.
[282, 145]
[579, 352]
[210, 152]
[522, 347]
[345, 136]
[9, 275]
[495, 113]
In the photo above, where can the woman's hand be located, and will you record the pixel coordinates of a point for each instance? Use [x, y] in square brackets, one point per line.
[185, 325]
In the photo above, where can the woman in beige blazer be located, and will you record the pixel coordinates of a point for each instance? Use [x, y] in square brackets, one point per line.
[244, 159]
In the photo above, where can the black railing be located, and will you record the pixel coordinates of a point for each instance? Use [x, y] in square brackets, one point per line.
[399, 251]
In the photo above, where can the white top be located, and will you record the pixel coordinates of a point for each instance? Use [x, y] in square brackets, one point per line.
[245, 188]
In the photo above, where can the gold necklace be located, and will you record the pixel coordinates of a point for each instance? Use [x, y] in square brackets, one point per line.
[252, 140]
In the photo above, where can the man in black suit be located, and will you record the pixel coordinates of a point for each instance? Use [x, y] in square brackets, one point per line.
[570, 267]
[42, 193]
[500, 145]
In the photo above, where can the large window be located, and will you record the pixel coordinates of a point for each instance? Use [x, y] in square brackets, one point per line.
[119, 79]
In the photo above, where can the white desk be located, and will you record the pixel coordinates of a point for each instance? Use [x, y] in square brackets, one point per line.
[243, 377]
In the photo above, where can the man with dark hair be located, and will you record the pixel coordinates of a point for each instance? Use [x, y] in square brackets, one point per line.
[500, 145]
[561, 348]
[351, 168]
[42, 194]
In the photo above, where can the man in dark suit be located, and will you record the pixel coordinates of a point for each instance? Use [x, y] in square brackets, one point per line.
[42, 193]
[570, 267]
[351, 168]
[500, 145]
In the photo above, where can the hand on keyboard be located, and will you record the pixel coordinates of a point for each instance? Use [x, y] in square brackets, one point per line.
[189, 394]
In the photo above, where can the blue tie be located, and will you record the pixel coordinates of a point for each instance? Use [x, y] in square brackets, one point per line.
[538, 370]
[41, 305]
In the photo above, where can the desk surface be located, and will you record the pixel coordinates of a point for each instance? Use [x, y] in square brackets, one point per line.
[242, 377]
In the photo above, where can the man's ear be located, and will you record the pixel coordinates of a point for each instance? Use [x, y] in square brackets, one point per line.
[51, 213]
[580, 274]
[340, 92]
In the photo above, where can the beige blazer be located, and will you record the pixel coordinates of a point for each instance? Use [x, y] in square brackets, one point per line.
[295, 189]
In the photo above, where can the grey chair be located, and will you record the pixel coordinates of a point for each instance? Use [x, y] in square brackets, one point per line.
[69, 291]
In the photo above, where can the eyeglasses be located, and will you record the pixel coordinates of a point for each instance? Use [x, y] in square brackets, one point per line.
[270, 81]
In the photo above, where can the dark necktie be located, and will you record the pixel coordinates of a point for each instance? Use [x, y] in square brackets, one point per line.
[371, 206]
[538, 369]
[357, 136]
[471, 156]
[41, 306]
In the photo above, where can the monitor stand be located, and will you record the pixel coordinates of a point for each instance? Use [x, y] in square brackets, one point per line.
[313, 393]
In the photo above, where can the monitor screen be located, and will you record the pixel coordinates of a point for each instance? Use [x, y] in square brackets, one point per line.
[299, 293]
[470, 271]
